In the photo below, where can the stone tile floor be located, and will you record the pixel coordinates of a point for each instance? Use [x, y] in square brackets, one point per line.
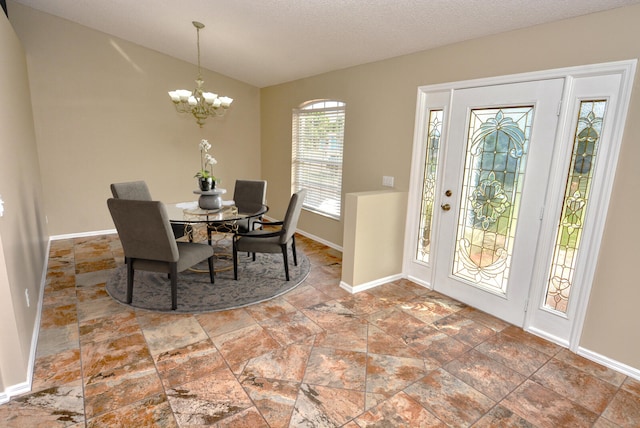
[397, 355]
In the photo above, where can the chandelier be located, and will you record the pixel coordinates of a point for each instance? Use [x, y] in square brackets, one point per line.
[199, 103]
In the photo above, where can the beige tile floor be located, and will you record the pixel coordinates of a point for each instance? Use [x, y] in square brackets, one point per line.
[397, 355]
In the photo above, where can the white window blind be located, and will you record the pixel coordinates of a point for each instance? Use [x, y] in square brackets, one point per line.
[318, 136]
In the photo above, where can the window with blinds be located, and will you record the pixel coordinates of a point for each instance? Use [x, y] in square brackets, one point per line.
[318, 136]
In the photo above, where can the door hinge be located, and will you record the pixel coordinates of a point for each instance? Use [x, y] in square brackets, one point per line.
[559, 108]
[526, 306]
[541, 212]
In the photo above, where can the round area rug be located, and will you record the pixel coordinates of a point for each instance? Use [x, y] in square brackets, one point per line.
[257, 281]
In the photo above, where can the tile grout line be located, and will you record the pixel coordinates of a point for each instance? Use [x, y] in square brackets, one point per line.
[77, 301]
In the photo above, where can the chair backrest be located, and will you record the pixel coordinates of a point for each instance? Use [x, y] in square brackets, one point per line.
[248, 195]
[290, 221]
[144, 229]
[137, 190]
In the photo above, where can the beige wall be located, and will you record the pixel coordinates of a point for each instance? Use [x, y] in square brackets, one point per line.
[23, 234]
[378, 133]
[381, 100]
[103, 115]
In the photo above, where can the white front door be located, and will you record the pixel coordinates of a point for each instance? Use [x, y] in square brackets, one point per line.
[495, 171]
[510, 184]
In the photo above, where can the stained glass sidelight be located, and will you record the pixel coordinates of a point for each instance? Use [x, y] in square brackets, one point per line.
[432, 143]
[570, 227]
[497, 147]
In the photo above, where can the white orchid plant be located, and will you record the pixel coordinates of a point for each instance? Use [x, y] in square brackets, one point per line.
[206, 161]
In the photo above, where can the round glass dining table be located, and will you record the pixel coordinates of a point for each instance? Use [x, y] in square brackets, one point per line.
[225, 219]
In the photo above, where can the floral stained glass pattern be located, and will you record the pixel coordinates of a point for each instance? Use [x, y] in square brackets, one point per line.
[496, 155]
[570, 227]
[432, 143]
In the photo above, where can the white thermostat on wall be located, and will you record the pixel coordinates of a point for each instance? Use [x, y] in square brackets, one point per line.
[1, 206]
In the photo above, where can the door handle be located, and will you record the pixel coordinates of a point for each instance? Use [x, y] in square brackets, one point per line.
[445, 207]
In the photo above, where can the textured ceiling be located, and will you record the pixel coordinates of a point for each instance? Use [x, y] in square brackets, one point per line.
[266, 42]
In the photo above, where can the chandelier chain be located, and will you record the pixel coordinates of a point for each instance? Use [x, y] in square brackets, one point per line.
[198, 43]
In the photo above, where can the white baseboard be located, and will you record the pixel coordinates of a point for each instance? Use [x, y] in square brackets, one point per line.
[546, 336]
[113, 231]
[24, 387]
[590, 355]
[311, 236]
[83, 234]
[18, 389]
[371, 284]
[320, 240]
[423, 283]
[608, 362]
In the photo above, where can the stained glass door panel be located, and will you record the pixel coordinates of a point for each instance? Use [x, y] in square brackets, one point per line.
[497, 159]
[495, 163]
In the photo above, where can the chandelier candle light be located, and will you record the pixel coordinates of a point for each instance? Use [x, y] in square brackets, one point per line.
[199, 103]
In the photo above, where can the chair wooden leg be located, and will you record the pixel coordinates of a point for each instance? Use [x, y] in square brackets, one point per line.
[286, 261]
[293, 248]
[130, 272]
[211, 271]
[174, 286]
[235, 260]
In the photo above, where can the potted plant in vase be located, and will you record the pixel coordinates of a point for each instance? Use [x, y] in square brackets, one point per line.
[206, 179]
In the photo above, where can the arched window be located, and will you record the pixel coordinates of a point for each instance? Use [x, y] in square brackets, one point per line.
[318, 136]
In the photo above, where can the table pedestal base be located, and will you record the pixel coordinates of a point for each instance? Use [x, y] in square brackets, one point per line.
[210, 202]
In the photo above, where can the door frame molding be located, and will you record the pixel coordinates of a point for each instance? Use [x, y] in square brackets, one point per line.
[590, 246]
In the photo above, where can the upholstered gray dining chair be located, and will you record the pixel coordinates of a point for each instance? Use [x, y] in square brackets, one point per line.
[139, 191]
[269, 241]
[248, 196]
[149, 245]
